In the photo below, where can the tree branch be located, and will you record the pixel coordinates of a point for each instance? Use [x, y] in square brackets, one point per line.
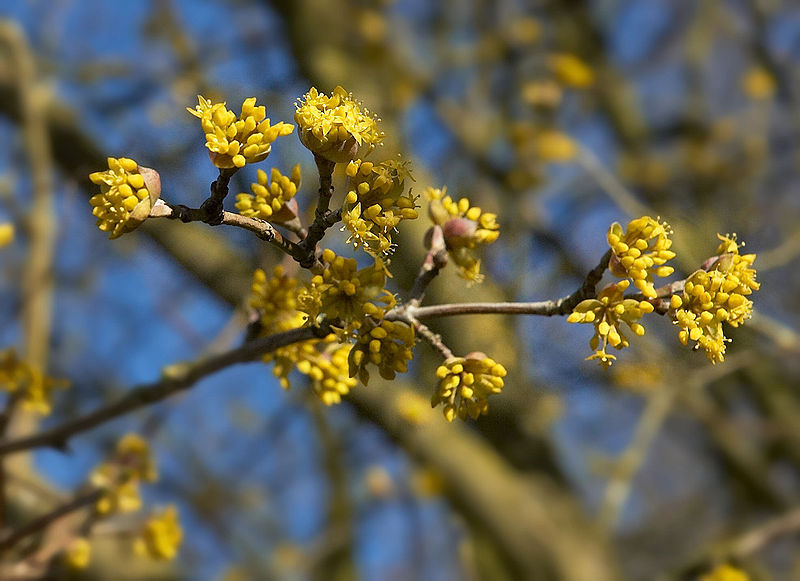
[46, 520]
[176, 378]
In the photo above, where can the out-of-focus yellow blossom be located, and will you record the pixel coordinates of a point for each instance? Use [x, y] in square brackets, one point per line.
[571, 70]
[465, 384]
[372, 26]
[758, 84]
[640, 252]
[6, 234]
[464, 227]
[323, 361]
[640, 378]
[344, 293]
[127, 193]
[524, 30]
[328, 372]
[235, 141]
[33, 388]
[542, 93]
[607, 313]
[555, 146]
[335, 127]
[725, 572]
[120, 476]
[376, 204]
[161, 536]
[78, 553]
[275, 299]
[387, 345]
[412, 407]
[711, 298]
[270, 196]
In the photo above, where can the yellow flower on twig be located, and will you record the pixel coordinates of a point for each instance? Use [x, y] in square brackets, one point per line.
[235, 141]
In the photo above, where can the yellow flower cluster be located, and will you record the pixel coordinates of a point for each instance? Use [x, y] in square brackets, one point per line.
[335, 127]
[235, 141]
[78, 553]
[325, 364]
[161, 536]
[387, 345]
[376, 204]
[464, 227]
[6, 234]
[345, 294]
[571, 70]
[269, 197]
[127, 193]
[607, 313]
[120, 476]
[640, 252]
[555, 146]
[716, 296]
[33, 388]
[328, 372]
[465, 384]
[725, 573]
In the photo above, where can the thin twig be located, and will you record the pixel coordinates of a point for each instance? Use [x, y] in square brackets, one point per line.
[435, 260]
[175, 379]
[5, 419]
[46, 520]
[433, 338]
[323, 217]
[264, 230]
[562, 306]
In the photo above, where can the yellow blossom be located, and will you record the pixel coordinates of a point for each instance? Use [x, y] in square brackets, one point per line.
[275, 299]
[33, 388]
[464, 227]
[758, 84]
[555, 146]
[542, 93]
[640, 252]
[78, 553]
[465, 384]
[235, 141]
[725, 573]
[335, 127]
[345, 294]
[716, 296]
[387, 345]
[607, 313]
[571, 70]
[328, 372]
[269, 197]
[120, 476]
[127, 193]
[322, 360]
[6, 234]
[375, 204]
[161, 536]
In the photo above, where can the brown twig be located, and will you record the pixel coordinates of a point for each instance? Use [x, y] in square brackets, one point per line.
[435, 260]
[5, 419]
[324, 218]
[46, 520]
[434, 339]
[175, 379]
[562, 306]
[264, 230]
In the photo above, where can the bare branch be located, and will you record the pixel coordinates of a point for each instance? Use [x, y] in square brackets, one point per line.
[46, 520]
[176, 378]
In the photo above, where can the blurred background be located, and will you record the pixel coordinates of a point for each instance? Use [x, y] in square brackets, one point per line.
[562, 116]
